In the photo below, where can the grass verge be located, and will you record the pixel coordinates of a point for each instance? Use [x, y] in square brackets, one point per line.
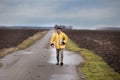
[25, 44]
[94, 67]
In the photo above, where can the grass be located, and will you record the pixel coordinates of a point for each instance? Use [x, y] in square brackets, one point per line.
[31, 40]
[25, 44]
[94, 67]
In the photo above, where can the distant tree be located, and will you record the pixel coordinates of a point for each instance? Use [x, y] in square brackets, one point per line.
[63, 26]
[70, 27]
[56, 26]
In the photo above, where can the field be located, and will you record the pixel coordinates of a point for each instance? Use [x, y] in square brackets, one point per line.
[103, 43]
[13, 37]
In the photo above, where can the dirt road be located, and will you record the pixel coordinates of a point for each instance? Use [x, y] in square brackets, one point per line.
[38, 63]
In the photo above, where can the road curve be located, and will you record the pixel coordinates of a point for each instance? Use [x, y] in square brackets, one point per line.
[38, 63]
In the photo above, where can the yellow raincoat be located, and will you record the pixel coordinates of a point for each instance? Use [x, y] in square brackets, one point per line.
[57, 40]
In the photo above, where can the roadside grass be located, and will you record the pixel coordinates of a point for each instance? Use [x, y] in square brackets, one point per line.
[94, 67]
[31, 40]
[25, 44]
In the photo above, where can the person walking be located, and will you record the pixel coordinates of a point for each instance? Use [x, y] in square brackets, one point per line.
[59, 40]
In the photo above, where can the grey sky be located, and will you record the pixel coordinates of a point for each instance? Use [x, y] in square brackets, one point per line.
[78, 13]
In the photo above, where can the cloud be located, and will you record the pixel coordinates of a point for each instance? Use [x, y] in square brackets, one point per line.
[73, 12]
[91, 14]
[49, 12]
[105, 25]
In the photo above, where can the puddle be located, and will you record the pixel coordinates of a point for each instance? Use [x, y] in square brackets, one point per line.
[27, 53]
[70, 58]
[68, 70]
[63, 77]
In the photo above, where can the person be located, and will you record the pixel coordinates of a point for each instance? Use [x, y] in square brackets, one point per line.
[59, 40]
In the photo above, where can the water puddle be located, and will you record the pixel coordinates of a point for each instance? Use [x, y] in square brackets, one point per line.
[62, 77]
[68, 70]
[27, 53]
[70, 58]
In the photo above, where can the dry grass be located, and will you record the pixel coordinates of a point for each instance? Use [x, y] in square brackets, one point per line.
[94, 67]
[25, 44]
[31, 40]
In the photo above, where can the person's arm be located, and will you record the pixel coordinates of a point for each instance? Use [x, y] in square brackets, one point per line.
[65, 39]
[52, 40]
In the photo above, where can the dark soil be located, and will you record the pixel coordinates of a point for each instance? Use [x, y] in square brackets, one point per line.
[103, 43]
[13, 37]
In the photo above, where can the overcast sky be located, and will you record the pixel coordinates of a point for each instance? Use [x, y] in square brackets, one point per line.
[77, 13]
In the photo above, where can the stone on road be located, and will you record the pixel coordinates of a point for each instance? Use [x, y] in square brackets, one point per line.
[38, 63]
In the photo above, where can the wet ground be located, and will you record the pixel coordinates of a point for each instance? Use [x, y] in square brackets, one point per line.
[38, 63]
[68, 70]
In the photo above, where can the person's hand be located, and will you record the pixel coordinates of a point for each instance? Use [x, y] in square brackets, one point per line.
[63, 43]
[52, 45]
